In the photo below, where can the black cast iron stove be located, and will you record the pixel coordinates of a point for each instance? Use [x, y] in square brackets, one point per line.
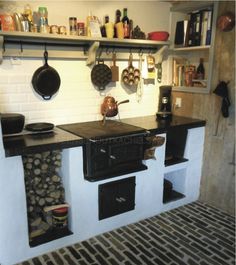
[110, 149]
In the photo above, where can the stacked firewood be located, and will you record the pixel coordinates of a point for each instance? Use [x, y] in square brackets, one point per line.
[43, 186]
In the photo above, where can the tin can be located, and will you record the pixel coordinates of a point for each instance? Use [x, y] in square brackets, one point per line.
[81, 29]
[62, 30]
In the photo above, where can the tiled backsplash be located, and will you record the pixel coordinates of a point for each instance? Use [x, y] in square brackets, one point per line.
[77, 99]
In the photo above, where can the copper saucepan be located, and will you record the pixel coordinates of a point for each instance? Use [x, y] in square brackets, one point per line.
[109, 107]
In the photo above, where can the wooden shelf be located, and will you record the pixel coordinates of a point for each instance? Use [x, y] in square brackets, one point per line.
[189, 6]
[13, 42]
[180, 11]
[192, 48]
[46, 38]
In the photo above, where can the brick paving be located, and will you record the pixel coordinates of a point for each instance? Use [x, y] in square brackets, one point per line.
[194, 234]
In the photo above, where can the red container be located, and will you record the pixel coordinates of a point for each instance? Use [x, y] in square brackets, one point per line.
[158, 35]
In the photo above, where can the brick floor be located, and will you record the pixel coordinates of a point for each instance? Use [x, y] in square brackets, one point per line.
[194, 234]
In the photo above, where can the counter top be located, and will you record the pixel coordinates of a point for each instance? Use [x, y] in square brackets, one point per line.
[155, 126]
[33, 143]
[61, 139]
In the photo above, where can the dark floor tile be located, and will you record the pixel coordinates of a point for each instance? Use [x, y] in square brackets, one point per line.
[163, 257]
[69, 260]
[74, 253]
[88, 247]
[100, 260]
[132, 257]
[101, 250]
[36, 261]
[117, 255]
[57, 258]
[86, 256]
[188, 235]
[145, 260]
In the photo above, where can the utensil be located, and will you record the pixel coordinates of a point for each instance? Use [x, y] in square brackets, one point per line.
[109, 107]
[130, 75]
[114, 69]
[46, 80]
[139, 92]
[101, 75]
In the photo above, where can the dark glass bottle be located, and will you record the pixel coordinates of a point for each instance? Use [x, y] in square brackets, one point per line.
[103, 29]
[126, 25]
[200, 70]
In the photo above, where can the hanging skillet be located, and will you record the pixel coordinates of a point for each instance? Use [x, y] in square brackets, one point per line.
[46, 80]
[101, 75]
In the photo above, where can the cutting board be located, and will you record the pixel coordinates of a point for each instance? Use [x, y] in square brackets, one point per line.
[114, 69]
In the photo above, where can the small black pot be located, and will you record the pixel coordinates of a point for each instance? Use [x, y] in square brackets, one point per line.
[12, 123]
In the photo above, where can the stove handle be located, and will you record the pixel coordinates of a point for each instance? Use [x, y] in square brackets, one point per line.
[120, 200]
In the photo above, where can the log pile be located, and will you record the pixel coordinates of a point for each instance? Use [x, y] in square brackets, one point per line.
[44, 188]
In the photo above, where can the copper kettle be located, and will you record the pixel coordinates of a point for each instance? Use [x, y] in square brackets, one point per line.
[109, 107]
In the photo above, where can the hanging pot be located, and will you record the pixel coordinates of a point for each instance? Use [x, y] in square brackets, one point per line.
[46, 80]
[101, 75]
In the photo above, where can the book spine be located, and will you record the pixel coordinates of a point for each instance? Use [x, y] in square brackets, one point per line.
[209, 28]
[204, 27]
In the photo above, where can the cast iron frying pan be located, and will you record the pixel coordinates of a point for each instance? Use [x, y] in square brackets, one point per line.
[46, 80]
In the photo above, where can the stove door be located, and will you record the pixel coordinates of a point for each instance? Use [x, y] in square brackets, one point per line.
[106, 158]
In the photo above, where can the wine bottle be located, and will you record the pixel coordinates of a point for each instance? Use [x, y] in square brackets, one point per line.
[103, 29]
[126, 25]
[200, 70]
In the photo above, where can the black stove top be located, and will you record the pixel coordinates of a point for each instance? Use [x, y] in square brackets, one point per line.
[98, 130]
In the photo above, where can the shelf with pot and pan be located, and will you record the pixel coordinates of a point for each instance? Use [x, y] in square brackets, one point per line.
[20, 44]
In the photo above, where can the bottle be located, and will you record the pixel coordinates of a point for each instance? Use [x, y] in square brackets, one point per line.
[200, 70]
[131, 29]
[43, 20]
[119, 26]
[109, 27]
[103, 27]
[125, 21]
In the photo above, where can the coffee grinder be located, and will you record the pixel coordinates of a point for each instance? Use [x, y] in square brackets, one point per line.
[164, 106]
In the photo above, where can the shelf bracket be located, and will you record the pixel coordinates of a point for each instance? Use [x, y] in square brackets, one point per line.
[1, 48]
[159, 55]
[92, 53]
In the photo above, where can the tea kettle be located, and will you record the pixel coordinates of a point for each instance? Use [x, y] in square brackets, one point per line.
[109, 107]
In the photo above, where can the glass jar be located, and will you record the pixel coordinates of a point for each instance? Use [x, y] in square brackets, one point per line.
[73, 25]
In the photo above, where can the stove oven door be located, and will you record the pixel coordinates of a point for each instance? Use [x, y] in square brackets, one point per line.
[113, 157]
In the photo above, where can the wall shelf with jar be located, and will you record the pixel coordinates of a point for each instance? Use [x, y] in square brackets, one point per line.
[15, 44]
[192, 40]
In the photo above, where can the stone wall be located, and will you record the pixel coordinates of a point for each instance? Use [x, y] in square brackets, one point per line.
[218, 175]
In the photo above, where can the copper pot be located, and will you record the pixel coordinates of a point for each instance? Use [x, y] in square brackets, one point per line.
[109, 107]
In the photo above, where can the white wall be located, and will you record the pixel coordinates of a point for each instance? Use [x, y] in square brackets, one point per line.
[77, 99]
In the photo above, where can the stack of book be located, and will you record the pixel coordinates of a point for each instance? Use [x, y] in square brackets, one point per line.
[184, 74]
[194, 31]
